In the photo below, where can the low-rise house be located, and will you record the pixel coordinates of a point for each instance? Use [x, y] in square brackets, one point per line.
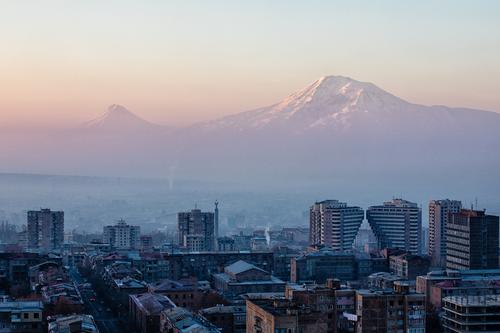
[145, 310]
[72, 324]
[388, 311]
[242, 277]
[285, 315]
[21, 316]
[121, 289]
[47, 273]
[191, 293]
[14, 270]
[383, 280]
[186, 292]
[62, 298]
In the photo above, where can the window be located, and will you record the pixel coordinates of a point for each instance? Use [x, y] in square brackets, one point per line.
[36, 315]
[26, 315]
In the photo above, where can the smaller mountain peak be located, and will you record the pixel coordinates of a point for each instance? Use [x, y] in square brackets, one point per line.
[118, 117]
[117, 108]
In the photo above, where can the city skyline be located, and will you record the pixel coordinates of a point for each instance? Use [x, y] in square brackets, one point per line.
[249, 167]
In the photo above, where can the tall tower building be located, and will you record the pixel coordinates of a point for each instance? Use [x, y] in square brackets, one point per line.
[472, 240]
[45, 229]
[439, 214]
[122, 235]
[397, 224]
[196, 230]
[334, 224]
[216, 219]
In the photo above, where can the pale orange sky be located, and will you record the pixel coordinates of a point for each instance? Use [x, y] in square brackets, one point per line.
[179, 62]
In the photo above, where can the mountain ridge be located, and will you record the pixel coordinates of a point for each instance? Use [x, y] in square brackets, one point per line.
[330, 101]
[335, 131]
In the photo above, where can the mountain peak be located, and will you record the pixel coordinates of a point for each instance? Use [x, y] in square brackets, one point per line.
[118, 118]
[333, 86]
[330, 95]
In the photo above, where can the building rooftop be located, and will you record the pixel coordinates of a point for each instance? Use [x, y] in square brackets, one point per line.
[382, 292]
[61, 324]
[171, 285]
[152, 303]
[241, 266]
[20, 305]
[129, 282]
[280, 307]
[227, 278]
[396, 203]
[224, 309]
[261, 296]
[68, 291]
[313, 287]
[185, 321]
[473, 274]
[479, 301]
[327, 252]
[385, 275]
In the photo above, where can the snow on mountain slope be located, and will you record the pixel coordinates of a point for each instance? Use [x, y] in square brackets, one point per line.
[329, 101]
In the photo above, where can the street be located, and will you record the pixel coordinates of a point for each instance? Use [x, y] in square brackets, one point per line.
[105, 320]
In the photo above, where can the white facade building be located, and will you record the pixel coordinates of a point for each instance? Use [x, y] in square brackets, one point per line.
[397, 224]
[122, 235]
[334, 224]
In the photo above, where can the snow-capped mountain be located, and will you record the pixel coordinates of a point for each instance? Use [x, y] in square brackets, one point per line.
[328, 101]
[340, 128]
[118, 118]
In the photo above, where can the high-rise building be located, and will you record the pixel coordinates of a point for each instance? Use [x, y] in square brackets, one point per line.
[397, 224]
[334, 224]
[45, 229]
[122, 235]
[216, 220]
[472, 240]
[439, 214]
[197, 230]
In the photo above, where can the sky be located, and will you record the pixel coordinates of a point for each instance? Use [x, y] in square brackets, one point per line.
[179, 62]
